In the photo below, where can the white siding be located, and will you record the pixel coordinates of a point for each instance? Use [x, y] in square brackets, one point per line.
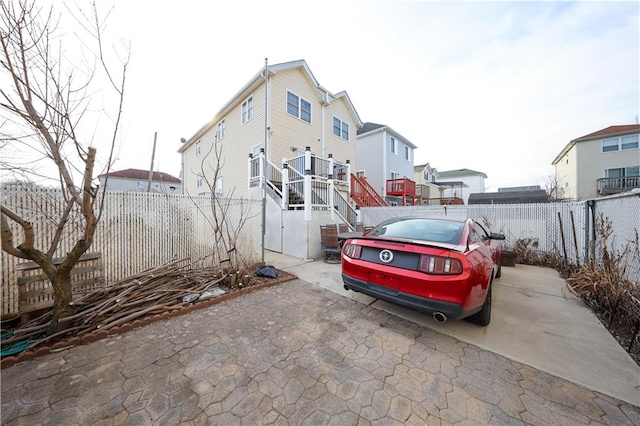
[235, 148]
[370, 158]
[566, 175]
[592, 163]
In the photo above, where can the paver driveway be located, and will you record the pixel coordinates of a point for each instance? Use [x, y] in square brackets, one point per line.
[292, 354]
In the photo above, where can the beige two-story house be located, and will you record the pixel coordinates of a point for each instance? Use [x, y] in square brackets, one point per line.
[282, 110]
[601, 163]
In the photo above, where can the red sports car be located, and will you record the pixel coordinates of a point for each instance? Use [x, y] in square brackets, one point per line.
[439, 266]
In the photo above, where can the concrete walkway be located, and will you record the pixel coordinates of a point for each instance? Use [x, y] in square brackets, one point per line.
[535, 320]
[294, 354]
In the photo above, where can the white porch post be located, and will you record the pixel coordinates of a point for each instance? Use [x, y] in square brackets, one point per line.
[249, 171]
[262, 178]
[348, 178]
[285, 185]
[332, 163]
[307, 195]
[330, 186]
[307, 184]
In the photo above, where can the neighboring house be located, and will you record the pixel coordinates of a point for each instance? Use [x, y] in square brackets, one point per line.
[511, 195]
[383, 154]
[461, 183]
[600, 163]
[138, 180]
[282, 109]
[426, 177]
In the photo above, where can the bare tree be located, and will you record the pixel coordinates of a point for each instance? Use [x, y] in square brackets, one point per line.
[48, 111]
[227, 252]
[552, 187]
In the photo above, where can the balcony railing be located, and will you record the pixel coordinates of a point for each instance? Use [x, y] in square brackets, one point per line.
[619, 184]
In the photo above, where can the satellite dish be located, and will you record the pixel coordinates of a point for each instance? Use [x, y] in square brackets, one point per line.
[183, 140]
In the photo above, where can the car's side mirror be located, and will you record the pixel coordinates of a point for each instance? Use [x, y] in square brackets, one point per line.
[496, 236]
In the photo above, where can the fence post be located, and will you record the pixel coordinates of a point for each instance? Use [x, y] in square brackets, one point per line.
[285, 185]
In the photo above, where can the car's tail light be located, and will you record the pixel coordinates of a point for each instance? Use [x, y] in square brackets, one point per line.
[440, 265]
[353, 251]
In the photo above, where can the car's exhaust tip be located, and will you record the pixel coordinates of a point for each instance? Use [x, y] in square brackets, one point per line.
[439, 317]
[346, 287]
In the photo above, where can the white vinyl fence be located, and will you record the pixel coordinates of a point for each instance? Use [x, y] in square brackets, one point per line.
[563, 228]
[137, 231]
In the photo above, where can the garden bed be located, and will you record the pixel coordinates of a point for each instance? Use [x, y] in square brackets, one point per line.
[156, 294]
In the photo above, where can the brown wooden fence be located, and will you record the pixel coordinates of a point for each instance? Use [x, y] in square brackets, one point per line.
[137, 231]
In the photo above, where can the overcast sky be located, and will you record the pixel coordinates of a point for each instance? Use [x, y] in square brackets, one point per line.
[497, 87]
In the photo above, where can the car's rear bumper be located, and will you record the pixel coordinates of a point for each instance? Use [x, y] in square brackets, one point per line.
[453, 311]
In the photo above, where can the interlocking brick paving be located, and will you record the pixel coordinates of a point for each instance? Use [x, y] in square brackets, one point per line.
[292, 354]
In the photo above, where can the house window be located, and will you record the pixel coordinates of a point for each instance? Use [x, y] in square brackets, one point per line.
[219, 187]
[407, 153]
[360, 173]
[298, 107]
[394, 145]
[631, 171]
[395, 175]
[340, 129]
[617, 144]
[198, 148]
[220, 133]
[629, 142]
[247, 110]
[199, 181]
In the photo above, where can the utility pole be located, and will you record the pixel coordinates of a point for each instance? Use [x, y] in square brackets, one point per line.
[153, 156]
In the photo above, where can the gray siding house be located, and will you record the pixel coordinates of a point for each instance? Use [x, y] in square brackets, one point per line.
[383, 154]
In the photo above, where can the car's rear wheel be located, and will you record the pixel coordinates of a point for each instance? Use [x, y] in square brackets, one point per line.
[483, 316]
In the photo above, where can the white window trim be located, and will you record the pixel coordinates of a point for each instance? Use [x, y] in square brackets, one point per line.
[407, 153]
[218, 189]
[619, 148]
[361, 173]
[299, 110]
[394, 145]
[244, 105]
[342, 124]
[198, 148]
[221, 129]
[199, 181]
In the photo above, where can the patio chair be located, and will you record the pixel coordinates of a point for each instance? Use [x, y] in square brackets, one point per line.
[330, 244]
[343, 227]
[359, 227]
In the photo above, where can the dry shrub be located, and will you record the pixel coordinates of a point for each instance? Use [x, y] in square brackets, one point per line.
[528, 253]
[603, 285]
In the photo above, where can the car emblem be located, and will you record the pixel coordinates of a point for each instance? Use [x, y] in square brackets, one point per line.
[386, 256]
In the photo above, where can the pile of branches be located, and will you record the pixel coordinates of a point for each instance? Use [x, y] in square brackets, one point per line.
[603, 285]
[165, 288]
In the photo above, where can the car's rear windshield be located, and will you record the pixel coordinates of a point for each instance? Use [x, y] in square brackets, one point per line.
[440, 231]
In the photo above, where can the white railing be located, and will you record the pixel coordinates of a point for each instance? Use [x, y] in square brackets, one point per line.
[306, 181]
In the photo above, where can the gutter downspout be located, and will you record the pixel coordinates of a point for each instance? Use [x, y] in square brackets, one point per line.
[266, 151]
